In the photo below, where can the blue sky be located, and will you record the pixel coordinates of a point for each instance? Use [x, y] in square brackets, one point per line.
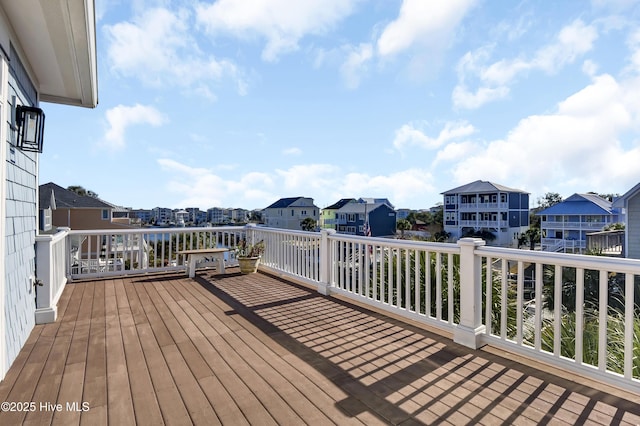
[236, 103]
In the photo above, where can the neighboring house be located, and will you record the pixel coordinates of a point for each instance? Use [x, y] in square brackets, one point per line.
[68, 209]
[143, 216]
[353, 218]
[216, 215]
[630, 202]
[328, 218]
[47, 54]
[162, 215]
[288, 213]
[403, 213]
[371, 200]
[565, 225]
[486, 206]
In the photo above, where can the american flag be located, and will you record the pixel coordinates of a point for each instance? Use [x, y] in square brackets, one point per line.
[367, 229]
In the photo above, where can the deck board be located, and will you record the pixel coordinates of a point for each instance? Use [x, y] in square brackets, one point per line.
[255, 349]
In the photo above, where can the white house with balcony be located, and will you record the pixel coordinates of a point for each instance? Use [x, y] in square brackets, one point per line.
[47, 54]
[565, 225]
[288, 213]
[486, 206]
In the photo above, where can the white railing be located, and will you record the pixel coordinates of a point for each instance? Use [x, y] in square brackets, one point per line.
[292, 253]
[484, 223]
[576, 312]
[413, 279]
[483, 206]
[103, 253]
[583, 316]
[573, 225]
[558, 244]
[51, 274]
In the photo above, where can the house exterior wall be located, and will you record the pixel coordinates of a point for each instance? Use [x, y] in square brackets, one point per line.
[20, 209]
[633, 227]
[290, 216]
[382, 221]
[505, 214]
[85, 219]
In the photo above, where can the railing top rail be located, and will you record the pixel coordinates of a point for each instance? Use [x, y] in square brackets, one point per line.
[154, 230]
[613, 264]
[410, 244]
[60, 235]
[286, 231]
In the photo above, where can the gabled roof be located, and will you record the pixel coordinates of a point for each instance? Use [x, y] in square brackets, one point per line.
[622, 201]
[579, 204]
[283, 202]
[339, 204]
[65, 199]
[481, 186]
[372, 200]
[361, 207]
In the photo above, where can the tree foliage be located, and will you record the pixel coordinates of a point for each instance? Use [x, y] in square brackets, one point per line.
[80, 190]
[308, 224]
[549, 199]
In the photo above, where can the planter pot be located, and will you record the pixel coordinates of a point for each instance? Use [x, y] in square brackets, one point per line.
[249, 265]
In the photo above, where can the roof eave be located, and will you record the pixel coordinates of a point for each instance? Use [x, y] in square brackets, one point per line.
[57, 40]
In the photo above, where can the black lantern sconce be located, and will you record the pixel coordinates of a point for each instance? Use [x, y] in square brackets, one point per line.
[30, 121]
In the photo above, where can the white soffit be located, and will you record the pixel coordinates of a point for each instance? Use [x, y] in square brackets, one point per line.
[58, 38]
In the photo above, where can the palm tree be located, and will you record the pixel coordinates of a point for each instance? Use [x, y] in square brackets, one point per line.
[308, 224]
[403, 225]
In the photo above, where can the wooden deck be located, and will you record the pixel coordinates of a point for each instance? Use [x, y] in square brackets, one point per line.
[254, 349]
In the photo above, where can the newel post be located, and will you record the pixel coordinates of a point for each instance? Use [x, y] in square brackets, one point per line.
[470, 329]
[249, 229]
[325, 261]
[46, 312]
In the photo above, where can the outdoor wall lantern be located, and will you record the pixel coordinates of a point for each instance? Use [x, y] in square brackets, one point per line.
[30, 121]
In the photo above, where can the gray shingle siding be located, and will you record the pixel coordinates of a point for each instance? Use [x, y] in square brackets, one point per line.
[633, 227]
[20, 218]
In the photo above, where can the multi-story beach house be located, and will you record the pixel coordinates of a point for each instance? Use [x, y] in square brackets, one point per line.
[370, 219]
[288, 213]
[486, 206]
[565, 225]
[60, 207]
[328, 219]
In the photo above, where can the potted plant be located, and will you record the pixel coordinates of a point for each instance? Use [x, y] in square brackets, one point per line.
[248, 256]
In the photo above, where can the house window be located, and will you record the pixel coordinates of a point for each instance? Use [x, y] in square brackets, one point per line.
[105, 214]
[351, 217]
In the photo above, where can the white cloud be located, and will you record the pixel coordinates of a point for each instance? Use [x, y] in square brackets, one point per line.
[493, 80]
[281, 22]
[121, 117]
[158, 48]
[292, 151]
[356, 64]
[633, 42]
[463, 98]
[325, 183]
[422, 22]
[573, 41]
[455, 151]
[409, 135]
[585, 142]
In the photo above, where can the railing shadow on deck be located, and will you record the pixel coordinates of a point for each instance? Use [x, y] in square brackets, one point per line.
[407, 372]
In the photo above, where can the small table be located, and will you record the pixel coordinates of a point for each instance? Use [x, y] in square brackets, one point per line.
[194, 256]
